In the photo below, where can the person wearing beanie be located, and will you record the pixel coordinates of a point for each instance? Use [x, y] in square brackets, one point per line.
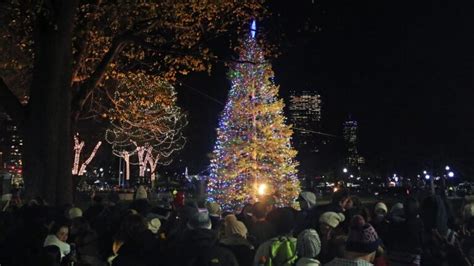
[331, 235]
[74, 213]
[215, 214]
[235, 239]
[154, 225]
[141, 193]
[361, 245]
[199, 244]
[308, 247]
[331, 219]
[306, 201]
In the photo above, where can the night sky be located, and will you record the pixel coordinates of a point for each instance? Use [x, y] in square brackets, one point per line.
[402, 69]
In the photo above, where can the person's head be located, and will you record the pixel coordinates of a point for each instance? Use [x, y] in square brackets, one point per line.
[342, 198]
[79, 225]
[380, 211]
[132, 226]
[247, 209]
[362, 240]
[141, 193]
[330, 220]
[411, 207]
[307, 200]
[61, 230]
[282, 219]
[234, 227]
[259, 210]
[97, 200]
[308, 244]
[214, 209]
[468, 211]
[74, 212]
[199, 219]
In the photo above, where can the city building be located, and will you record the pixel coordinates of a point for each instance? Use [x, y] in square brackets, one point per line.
[11, 146]
[353, 159]
[305, 116]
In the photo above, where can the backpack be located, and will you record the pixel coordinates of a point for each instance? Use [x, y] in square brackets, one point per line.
[282, 252]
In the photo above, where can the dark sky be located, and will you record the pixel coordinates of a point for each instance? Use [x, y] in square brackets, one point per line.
[403, 69]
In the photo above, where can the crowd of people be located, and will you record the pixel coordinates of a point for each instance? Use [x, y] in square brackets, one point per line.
[425, 231]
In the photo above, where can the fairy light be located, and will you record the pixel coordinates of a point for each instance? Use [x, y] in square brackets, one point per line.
[91, 156]
[252, 144]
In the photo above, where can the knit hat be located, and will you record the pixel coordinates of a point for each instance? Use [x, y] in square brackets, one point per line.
[308, 197]
[234, 226]
[397, 209]
[154, 225]
[380, 206]
[362, 237]
[141, 193]
[74, 213]
[199, 218]
[332, 219]
[213, 208]
[308, 244]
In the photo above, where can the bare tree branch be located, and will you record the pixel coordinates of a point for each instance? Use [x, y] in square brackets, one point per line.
[87, 87]
[10, 103]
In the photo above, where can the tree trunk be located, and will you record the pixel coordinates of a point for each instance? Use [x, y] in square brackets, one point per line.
[47, 127]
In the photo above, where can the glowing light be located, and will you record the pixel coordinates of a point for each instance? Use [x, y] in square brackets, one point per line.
[427, 177]
[344, 170]
[451, 174]
[447, 168]
[78, 146]
[424, 172]
[253, 28]
[262, 189]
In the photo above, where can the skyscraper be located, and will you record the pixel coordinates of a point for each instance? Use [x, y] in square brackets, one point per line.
[353, 159]
[305, 116]
[11, 145]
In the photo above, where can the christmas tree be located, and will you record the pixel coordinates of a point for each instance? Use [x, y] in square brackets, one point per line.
[253, 156]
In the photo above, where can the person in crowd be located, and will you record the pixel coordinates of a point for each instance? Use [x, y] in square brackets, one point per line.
[468, 239]
[380, 221]
[308, 247]
[341, 201]
[95, 209]
[332, 237]
[441, 244]
[86, 242]
[245, 215]
[261, 230]
[58, 236]
[404, 237]
[134, 243]
[235, 239]
[397, 214]
[281, 249]
[306, 201]
[74, 213]
[215, 214]
[199, 245]
[361, 245]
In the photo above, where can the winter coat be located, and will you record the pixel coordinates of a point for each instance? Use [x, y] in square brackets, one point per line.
[241, 248]
[142, 250]
[261, 231]
[200, 247]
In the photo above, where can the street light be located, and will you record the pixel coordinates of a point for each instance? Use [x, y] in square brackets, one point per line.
[447, 168]
[427, 177]
[424, 172]
[451, 174]
[344, 170]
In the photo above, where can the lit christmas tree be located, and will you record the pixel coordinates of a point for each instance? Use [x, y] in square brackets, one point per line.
[253, 156]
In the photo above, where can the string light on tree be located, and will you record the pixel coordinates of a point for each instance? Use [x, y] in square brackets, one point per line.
[146, 123]
[253, 153]
[78, 146]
